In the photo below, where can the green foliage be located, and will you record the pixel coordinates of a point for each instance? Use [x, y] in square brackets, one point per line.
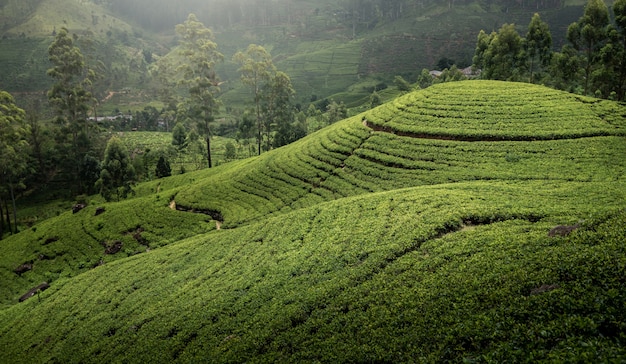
[417, 231]
[450, 272]
[199, 77]
[70, 98]
[538, 45]
[491, 113]
[231, 151]
[279, 111]
[14, 156]
[257, 71]
[588, 34]
[179, 136]
[117, 174]
[163, 168]
[402, 84]
[68, 95]
[503, 57]
[375, 100]
[13, 134]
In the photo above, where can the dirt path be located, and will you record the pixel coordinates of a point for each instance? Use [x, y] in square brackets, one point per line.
[109, 96]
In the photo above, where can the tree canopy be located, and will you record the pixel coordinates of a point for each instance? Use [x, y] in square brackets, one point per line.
[198, 75]
[14, 154]
[118, 174]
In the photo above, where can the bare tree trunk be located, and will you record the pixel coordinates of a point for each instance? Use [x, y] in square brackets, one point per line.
[208, 149]
[258, 123]
[14, 205]
[8, 217]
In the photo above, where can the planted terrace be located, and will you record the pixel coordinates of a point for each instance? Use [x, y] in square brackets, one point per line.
[355, 244]
[453, 132]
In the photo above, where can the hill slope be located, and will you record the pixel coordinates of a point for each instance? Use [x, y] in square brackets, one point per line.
[386, 237]
[325, 53]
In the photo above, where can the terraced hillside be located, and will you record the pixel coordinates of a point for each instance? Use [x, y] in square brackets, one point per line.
[393, 236]
[467, 131]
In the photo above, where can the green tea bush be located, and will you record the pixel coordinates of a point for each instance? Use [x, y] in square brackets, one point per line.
[354, 244]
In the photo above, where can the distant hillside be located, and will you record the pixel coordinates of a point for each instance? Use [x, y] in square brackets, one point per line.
[469, 221]
[327, 48]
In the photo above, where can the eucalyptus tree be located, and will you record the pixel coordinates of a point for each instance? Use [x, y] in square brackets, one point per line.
[117, 175]
[163, 72]
[70, 98]
[503, 58]
[179, 136]
[200, 56]
[478, 61]
[538, 45]
[279, 111]
[588, 35]
[610, 77]
[14, 154]
[257, 69]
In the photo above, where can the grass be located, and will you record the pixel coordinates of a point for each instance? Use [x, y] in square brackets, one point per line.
[351, 245]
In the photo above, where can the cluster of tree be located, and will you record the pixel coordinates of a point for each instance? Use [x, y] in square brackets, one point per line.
[68, 150]
[190, 85]
[274, 112]
[593, 63]
[13, 157]
[75, 151]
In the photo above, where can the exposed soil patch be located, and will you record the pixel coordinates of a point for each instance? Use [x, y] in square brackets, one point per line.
[112, 248]
[50, 240]
[215, 215]
[79, 206]
[136, 234]
[34, 291]
[23, 268]
[562, 230]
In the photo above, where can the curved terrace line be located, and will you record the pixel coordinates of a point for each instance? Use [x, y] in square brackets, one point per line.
[484, 138]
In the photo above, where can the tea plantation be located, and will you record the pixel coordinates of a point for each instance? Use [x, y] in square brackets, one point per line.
[477, 221]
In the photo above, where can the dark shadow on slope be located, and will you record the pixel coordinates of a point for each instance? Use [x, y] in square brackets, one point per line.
[215, 215]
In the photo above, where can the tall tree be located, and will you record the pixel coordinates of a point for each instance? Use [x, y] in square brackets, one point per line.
[257, 69]
[13, 152]
[336, 111]
[538, 45]
[117, 175]
[589, 35]
[504, 57]
[198, 75]
[565, 72]
[163, 168]
[613, 54]
[179, 136]
[70, 98]
[164, 72]
[279, 111]
[482, 45]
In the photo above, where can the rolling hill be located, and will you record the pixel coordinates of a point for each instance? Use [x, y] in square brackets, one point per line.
[419, 231]
[325, 53]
